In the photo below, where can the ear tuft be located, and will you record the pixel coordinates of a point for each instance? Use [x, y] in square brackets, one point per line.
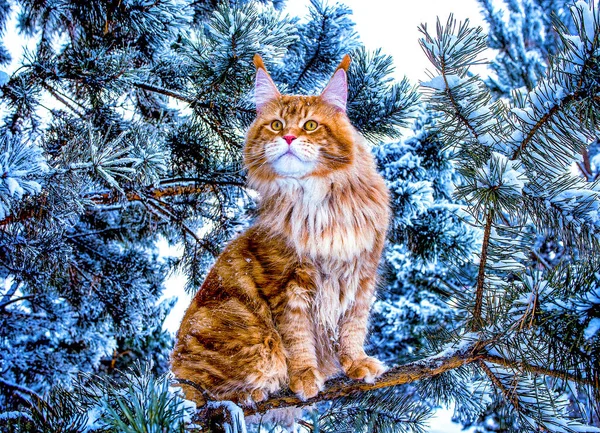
[336, 92]
[265, 89]
[258, 62]
[345, 63]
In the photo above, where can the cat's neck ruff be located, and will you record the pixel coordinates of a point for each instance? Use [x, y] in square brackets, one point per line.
[334, 217]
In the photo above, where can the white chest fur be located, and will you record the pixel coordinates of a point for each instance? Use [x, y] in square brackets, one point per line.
[326, 223]
[336, 288]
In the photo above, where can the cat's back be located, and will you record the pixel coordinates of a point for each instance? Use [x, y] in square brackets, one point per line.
[227, 333]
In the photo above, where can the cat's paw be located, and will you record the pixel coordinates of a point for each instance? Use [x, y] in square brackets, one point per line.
[306, 383]
[259, 395]
[367, 368]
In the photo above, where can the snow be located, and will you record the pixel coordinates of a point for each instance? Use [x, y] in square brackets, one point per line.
[439, 83]
[525, 114]
[13, 187]
[5, 416]
[188, 407]
[589, 20]
[499, 171]
[236, 424]
[456, 347]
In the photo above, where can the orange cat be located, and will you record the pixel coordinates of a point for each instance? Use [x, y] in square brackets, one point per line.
[287, 302]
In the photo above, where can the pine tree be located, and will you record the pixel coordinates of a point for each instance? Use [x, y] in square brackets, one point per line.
[515, 157]
[428, 243]
[125, 125]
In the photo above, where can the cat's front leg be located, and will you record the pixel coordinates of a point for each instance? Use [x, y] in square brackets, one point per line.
[297, 332]
[352, 333]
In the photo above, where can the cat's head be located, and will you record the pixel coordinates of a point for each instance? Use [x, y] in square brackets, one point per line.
[299, 136]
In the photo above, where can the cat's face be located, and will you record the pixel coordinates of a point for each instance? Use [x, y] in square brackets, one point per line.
[299, 136]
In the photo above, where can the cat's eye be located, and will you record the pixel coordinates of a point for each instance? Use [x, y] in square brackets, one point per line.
[310, 125]
[276, 125]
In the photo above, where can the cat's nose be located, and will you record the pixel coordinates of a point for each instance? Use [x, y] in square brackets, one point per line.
[289, 138]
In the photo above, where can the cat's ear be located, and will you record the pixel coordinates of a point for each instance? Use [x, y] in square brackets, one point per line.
[336, 92]
[265, 89]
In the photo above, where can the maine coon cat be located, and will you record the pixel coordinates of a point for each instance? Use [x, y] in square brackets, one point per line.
[287, 302]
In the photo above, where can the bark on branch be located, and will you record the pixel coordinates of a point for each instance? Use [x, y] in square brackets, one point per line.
[400, 375]
[557, 108]
[169, 188]
[477, 320]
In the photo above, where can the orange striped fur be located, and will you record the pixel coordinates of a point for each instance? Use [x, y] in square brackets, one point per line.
[287, 302]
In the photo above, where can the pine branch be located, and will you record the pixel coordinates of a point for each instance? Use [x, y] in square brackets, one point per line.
[19, 390]
[432, 366]
[512, 397]
[167, 92]
[175, 189]
[194, 103]
[400, 375]
[62, 99]
[169, 188]
[535, 369]
[160, 209]
[12, 301]
[477, 319]
[457, 108]
[573, 97]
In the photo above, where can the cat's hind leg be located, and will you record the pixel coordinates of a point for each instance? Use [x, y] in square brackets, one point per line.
[230, 350]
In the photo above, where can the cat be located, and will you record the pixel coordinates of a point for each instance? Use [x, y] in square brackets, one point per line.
[287, 302]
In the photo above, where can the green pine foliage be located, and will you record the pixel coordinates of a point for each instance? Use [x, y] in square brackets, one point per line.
[430, 242]
[124, 126]
[136, 401]
[515, 157]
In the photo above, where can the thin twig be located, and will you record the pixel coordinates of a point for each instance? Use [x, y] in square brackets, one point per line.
[12, 301]
[477, 312]
[508, 395]
[61, 99]
[545, 118]
[536, 369]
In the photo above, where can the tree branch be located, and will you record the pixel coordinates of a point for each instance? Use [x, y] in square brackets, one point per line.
[62, 99]
[509, 395]
[456, 105]
[194, 103]
[400, 375]
[545, 118]
[163, 91]
[520, 365]
[477, 312]
[167, 188]
[12, 301]
[432, 366]
[20, 389]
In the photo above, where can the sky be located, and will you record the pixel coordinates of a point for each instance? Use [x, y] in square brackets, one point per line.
[393, 26]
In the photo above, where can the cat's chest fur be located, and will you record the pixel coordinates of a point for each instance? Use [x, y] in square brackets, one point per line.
[322, 219]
